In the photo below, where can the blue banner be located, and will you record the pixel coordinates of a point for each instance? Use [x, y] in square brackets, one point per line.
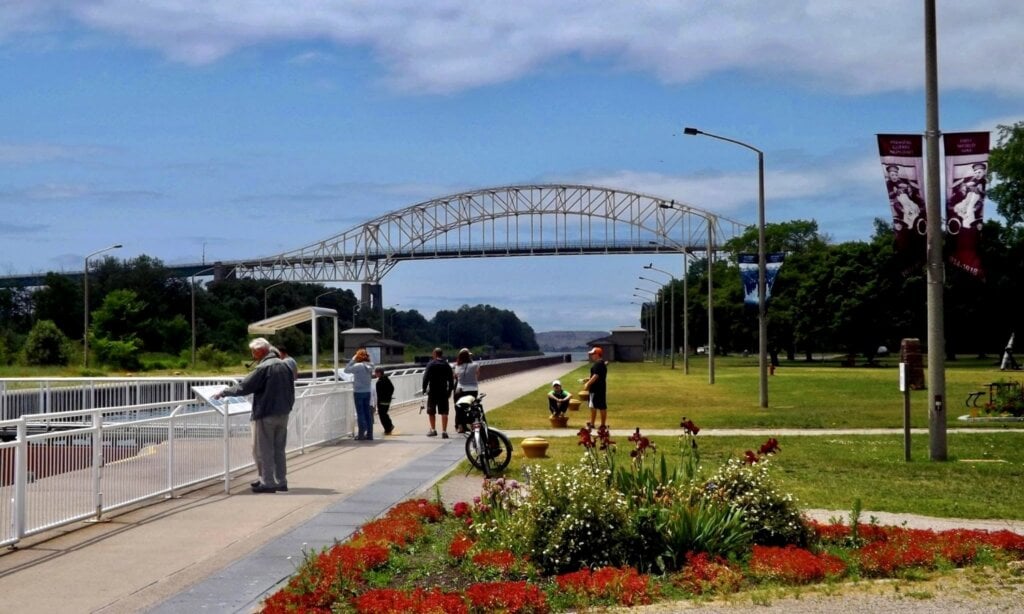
[748, 273]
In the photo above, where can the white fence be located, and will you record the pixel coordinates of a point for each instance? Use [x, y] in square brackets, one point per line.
[82, 447]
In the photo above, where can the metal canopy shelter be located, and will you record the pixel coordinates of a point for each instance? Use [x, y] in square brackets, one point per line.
[269, 326]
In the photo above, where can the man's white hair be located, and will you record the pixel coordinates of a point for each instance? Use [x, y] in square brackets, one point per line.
[259, 343]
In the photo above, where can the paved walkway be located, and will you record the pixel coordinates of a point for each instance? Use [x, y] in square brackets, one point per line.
[208, 551]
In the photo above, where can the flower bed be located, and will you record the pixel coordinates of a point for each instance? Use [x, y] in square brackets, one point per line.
[531, 553]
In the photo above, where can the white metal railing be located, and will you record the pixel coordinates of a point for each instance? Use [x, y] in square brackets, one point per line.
[65, 466]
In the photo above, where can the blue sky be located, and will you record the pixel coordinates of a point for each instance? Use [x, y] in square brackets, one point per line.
[251, 128]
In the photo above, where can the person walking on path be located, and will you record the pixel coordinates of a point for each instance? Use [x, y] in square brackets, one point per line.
[385, 391]
[597, 385]
[272, 387]
[467, 377]
[438, 380]
[361, 370]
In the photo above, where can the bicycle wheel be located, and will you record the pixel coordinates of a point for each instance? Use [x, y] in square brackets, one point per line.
[499, 450]
[475, 452]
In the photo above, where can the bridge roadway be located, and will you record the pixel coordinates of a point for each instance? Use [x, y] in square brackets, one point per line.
[230, 268]
[209, 551]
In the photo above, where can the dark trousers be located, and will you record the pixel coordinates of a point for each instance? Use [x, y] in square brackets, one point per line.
[385, 419]
[558, 407]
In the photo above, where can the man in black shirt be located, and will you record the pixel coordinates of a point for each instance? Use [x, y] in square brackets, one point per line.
[597, 385]
[438, 383]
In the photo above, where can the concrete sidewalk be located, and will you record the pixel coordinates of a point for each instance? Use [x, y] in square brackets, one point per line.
[208, 551]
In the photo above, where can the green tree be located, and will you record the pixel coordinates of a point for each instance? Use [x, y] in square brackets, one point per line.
[1006, 162]
[60, 301]
[46, 345]
[119, 316]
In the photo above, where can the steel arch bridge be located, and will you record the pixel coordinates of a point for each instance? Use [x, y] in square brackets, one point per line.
[518, 220]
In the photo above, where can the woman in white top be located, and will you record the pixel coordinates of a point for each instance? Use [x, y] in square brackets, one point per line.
[466, 382]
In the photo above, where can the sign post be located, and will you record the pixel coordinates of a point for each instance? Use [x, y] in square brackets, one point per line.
[905, 389]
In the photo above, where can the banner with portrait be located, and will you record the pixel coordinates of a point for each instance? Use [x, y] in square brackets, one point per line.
[748, 274]
[966, 184]
[903, 170]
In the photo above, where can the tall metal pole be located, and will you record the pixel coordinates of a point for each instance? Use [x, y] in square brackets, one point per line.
[936, 271]
[654, 325]
[659, 300]
[686, 314]
[672, 316]
[762, 294]
[85, 298]
[265, 290]
[711, 304]
[762, 328]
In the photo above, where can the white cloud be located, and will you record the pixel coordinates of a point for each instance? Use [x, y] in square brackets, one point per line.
[35, 153]
[869, 46]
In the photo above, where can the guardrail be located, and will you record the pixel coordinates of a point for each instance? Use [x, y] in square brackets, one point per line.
[106, 443]
[57, 468]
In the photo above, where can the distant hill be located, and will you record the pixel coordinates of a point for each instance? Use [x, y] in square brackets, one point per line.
[567, 340]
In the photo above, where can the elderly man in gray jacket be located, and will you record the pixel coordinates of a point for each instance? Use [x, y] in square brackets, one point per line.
[272, 386]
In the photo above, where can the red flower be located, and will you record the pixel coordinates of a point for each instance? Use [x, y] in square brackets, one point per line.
[769, 447]
[460, 546]
[586, 440]
[625, 585]
[689, 426]
[749, 457]
[794, 565]
[703, 574]
[503, 560]
[511, 597]
[389, 601]
[461, 509]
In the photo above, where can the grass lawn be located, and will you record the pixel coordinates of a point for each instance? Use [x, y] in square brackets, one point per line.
[830, 472]
[819, 395]
[979, 481]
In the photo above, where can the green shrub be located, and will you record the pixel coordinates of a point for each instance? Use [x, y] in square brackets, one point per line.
[773, 515]
[46, 345]
[213, 357]
[703, 526]
[569, 520]
[123, 354]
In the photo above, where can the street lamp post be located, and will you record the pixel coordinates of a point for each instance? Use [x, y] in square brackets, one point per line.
[384, 321]
[686, 313]
[316, 299]
[265, 290]
[711, 221]
[672, 309]
[85, 298]
[643, 309]
[661, 320]
[762, 321]
[193, 276]
[656, 341]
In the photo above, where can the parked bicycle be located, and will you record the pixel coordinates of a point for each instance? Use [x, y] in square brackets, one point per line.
[487, 449]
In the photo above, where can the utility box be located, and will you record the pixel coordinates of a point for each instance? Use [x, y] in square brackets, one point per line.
[910, 353]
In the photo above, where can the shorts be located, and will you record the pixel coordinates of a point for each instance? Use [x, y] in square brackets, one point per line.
[598, 401]
[437, 405]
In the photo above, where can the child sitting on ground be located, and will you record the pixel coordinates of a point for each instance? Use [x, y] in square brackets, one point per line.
[558, 399]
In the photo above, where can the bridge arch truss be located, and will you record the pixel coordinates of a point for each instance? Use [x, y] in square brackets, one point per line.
[518, 220]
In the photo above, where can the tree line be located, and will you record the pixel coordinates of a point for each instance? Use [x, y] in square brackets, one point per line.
[137, 309]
